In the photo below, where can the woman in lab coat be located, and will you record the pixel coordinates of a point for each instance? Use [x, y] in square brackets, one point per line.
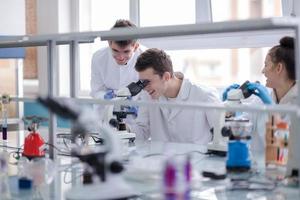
[279, 70]
[171, 124]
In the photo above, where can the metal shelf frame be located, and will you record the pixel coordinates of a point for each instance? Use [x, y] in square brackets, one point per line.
[74, 39]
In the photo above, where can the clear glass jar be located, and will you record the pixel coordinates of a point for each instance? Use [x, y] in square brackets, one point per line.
[4, 186]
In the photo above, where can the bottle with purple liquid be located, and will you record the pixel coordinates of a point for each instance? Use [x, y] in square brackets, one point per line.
[177, 178]
[4, 123]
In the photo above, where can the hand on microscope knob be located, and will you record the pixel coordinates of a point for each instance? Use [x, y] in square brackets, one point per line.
[260, 91]
[110, 94]
[233, 86]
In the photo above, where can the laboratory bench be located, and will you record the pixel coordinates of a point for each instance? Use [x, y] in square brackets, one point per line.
[144, 164]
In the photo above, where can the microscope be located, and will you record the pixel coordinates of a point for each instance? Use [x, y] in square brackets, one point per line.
[235, 133]
[238, 129]
[103, 159]
[117, 114]
[218, 145]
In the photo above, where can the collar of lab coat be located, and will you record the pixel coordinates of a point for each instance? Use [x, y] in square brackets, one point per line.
[183, 95]
[289, 98]
[184, 90]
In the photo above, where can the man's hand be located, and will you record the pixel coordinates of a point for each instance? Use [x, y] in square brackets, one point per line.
[133, 109]
[109, 94]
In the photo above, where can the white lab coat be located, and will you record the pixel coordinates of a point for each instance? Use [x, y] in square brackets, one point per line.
[289, 98]
[259, 120]
[107, 74]
[178, 124]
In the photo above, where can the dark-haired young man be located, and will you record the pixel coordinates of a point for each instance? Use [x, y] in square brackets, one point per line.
[172, 124]
[113, 66]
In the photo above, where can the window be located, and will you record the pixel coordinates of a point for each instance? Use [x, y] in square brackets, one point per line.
[209, 61]
[95, 15]
[244, 9]
[167, 12]
[220, 67]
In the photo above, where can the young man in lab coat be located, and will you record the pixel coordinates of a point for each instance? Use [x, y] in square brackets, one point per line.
[113, 66]
[171, 124]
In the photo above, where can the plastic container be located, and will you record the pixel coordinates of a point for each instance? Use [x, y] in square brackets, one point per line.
[4, 186]
[24, 180]
[281, 140]
[282, 132]
[177, 178]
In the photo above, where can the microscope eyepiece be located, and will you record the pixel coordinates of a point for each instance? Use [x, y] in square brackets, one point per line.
[137, 87]
[143, 83]
[245, 91]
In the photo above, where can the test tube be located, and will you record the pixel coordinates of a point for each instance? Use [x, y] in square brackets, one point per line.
[4, 123]
[169, 181]
[177, 178]
[188, 169]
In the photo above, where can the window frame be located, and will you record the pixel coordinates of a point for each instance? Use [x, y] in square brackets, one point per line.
[203, 14]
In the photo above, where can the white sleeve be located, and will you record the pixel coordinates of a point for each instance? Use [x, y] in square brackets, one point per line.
[98, 88]
[141, 125]
[259, 121]
[213, 116]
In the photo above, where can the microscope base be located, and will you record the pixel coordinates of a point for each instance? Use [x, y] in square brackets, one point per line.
[125, 135]
[238, 169]
[238, 158]
[219, 149]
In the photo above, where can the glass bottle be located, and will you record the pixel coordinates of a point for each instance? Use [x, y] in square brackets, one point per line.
[4, 186]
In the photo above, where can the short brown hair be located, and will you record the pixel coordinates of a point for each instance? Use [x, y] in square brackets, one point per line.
[123, 23]
[156, 59]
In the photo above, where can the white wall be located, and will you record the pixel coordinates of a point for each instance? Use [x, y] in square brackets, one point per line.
[12, 15]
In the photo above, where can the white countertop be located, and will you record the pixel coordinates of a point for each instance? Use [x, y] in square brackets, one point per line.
[144, 174]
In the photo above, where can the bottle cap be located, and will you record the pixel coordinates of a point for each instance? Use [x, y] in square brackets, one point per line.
[282, 125]
[25, 183]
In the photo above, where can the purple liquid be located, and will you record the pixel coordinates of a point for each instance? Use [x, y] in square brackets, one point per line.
[4, 133]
